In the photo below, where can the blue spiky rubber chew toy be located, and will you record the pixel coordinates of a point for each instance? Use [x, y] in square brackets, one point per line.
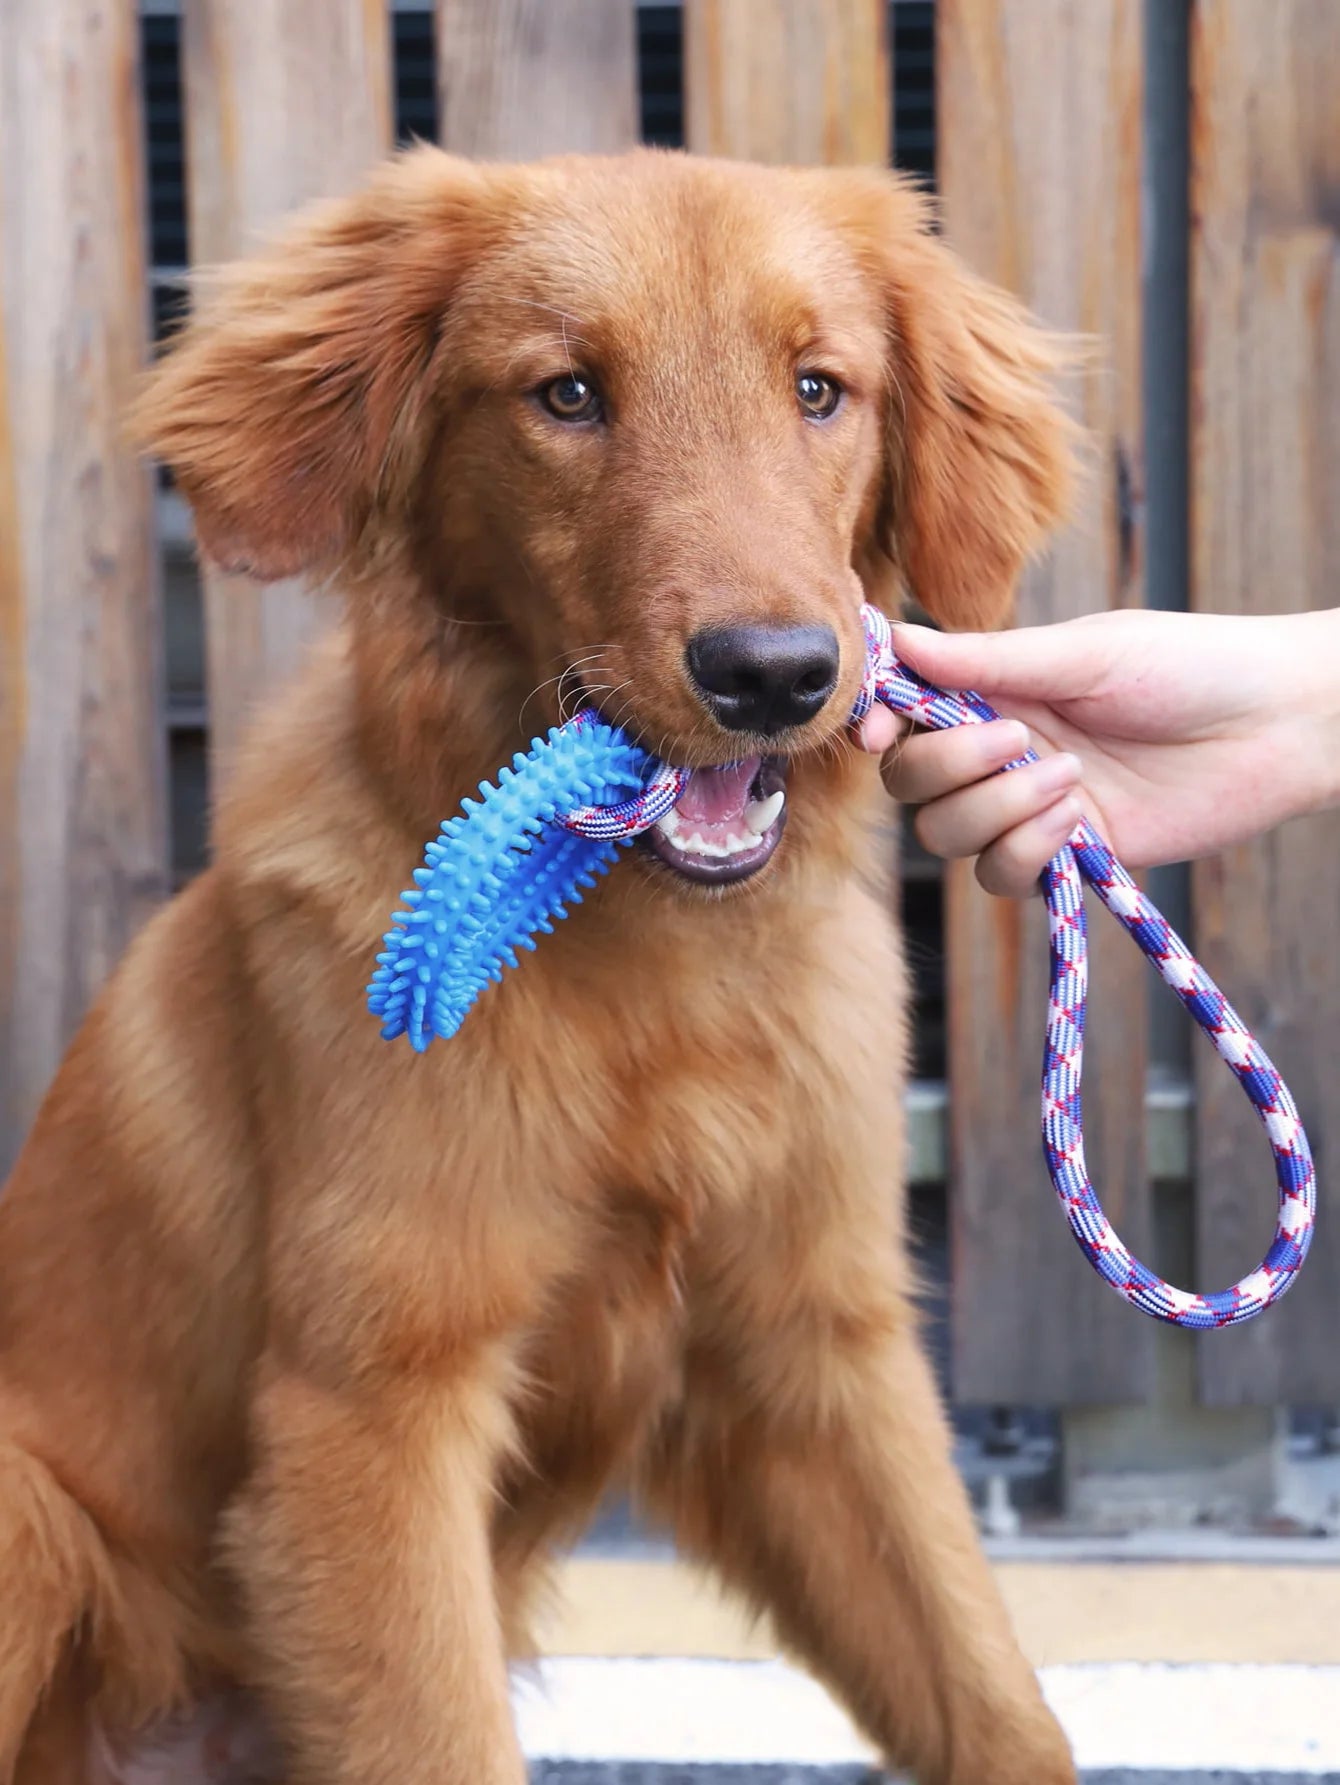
[510, 863]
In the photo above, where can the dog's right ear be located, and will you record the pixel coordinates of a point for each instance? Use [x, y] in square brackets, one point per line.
[296, 394]
[981, 452]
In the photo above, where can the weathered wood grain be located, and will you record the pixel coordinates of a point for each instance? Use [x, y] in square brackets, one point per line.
[286, 101]
[82, 837]
[522, 78]
[788, 80]
[1040, 166]
[1265, 538]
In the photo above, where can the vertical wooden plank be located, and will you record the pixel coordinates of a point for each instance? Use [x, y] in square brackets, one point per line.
[523, 78]
[1265, 538]
[286, 100]
[788, 80]
[82, 833]
[1039, 138]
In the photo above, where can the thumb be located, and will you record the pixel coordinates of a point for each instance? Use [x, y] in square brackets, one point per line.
[1044, 663]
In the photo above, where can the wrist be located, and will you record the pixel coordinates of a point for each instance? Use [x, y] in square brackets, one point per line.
[1328, 754]
[1318, 684]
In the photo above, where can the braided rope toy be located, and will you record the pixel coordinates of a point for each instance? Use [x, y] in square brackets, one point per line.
[512, 862]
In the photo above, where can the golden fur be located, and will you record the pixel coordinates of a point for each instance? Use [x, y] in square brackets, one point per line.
[311, 1351]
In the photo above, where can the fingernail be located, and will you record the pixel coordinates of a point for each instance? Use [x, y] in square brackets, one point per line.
[907, 632]
[1064, 816]
[1056, 772]
[878, 732]
[1009, 739]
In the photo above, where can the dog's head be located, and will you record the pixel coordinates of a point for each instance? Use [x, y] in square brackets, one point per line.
[666, 420]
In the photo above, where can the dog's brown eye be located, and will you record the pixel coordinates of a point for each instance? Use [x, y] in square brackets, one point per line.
[818, 396]
[571, 398]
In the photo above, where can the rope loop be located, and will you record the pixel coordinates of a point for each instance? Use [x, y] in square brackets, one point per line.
[1086, 859]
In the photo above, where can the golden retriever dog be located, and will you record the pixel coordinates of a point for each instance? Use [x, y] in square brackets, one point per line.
[313, 1351]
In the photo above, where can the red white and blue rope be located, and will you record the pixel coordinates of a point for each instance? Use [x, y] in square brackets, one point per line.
[610, 824]
[1085, 858]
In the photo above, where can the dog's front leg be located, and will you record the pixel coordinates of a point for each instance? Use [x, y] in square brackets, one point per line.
[810, 1463]
[362, 1546]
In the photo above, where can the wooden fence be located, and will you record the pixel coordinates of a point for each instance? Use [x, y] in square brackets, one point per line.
[1042, 169]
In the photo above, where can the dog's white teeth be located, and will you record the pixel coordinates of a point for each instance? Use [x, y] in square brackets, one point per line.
[689, 842]
[761, 815]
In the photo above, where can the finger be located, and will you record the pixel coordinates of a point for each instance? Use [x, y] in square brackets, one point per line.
[935, 763]
[879, 730]
[971, 819]
[1048, 663]
[1011, 866]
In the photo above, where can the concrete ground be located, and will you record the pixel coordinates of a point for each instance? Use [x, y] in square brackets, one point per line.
[1165, 1670]
[1067, 1611]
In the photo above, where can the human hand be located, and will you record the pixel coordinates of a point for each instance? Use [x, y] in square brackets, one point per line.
[1176, 734]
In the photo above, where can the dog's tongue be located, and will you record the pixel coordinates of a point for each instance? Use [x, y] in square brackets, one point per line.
[715, 796]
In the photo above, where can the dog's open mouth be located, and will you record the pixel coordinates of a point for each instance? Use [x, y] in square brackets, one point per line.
[727, 823]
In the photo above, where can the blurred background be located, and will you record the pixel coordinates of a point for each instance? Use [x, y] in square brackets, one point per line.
[1163, 175]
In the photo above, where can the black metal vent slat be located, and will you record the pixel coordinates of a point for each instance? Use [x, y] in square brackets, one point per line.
[414, 71]
[660, 67]
[170, 304]
[165, 150]
[912, 33]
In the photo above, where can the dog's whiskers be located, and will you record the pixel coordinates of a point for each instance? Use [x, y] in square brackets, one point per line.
[625, 708]
[590, 689]
[550, 681]
[596, 657]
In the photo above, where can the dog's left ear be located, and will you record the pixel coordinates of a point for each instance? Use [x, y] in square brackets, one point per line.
[293, 400]
[981, 453]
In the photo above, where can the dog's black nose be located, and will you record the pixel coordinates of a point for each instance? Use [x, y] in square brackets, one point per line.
[763, 678]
